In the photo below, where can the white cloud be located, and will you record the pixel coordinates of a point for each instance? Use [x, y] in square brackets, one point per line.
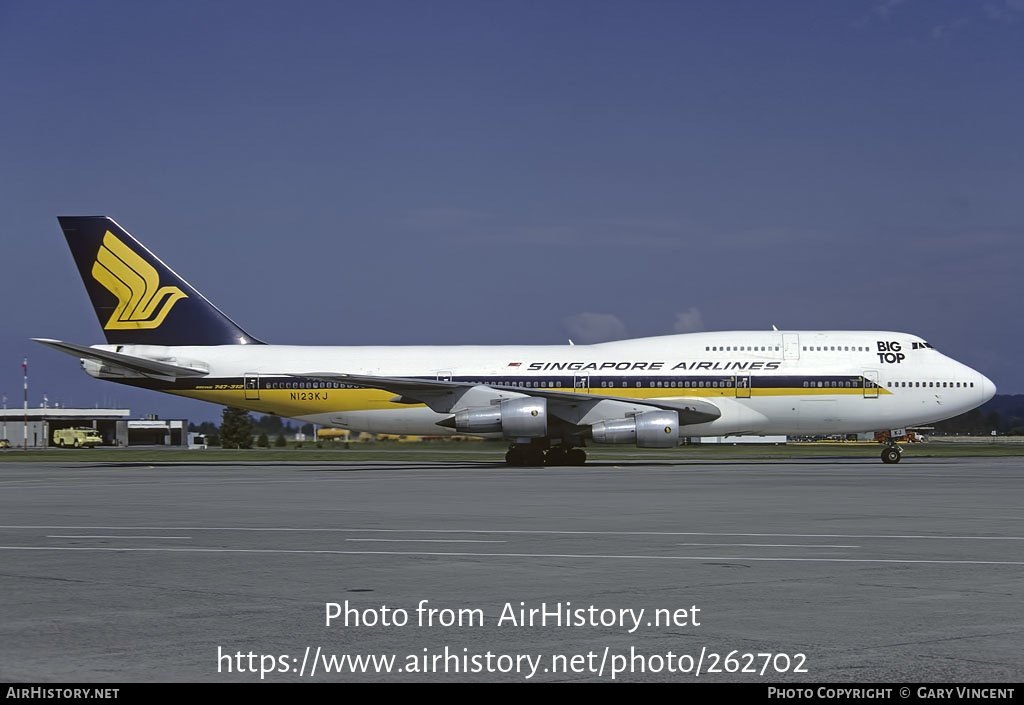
[943, 31]
[594, 327]
[441, 218]
[1005, 11]
[884, 9]
[688, 321]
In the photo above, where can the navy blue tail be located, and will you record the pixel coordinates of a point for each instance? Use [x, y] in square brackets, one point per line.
[139, 300]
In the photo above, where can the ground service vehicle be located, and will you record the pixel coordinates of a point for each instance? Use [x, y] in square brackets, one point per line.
[77, 438]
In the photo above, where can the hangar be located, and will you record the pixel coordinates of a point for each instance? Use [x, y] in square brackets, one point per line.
[113, 425]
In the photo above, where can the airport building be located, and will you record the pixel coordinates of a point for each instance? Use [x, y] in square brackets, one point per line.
[113, 425]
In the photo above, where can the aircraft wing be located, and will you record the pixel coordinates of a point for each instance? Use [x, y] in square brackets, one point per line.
[690, 410]
[445, 396]
[141, 365]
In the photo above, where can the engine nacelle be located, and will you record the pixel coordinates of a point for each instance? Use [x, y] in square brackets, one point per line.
[97, 369]
[649, 429]
[526, 417]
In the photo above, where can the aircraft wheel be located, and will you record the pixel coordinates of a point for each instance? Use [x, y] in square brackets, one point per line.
[534, 457]
[555, 456]
[515, 456]
[891, 455]
[576, 456]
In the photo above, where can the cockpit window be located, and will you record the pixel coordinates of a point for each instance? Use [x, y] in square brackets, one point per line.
[922, 345]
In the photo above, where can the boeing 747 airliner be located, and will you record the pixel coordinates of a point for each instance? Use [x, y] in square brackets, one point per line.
[549, 401]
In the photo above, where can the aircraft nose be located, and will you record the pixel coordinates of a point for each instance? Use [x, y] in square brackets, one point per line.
[988, 389]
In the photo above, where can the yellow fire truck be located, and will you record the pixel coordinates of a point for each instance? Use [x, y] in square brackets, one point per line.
[77, 438]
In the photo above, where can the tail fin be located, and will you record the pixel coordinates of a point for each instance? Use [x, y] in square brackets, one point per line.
[139, 300]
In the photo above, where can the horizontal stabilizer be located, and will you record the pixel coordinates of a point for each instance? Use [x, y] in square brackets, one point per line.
[142, 365]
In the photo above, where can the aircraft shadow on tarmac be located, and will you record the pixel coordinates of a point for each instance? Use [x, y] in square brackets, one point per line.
[376, 465]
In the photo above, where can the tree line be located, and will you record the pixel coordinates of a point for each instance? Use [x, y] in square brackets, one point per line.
[1003, 413]
[238, 429]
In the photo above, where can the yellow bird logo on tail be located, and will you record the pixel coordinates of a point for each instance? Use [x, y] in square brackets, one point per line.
[136, 284]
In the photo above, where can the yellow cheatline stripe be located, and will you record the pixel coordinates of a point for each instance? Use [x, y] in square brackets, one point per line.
[298, 402]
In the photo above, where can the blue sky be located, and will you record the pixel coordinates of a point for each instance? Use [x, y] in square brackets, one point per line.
[520, 172]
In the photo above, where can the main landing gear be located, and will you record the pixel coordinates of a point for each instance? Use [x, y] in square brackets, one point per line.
[537, 456]
[892, 454]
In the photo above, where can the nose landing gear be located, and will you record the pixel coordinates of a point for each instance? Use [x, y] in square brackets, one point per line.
[892, 454]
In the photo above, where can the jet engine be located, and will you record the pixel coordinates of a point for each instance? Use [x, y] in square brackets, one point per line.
[648, 429]
[514, 418]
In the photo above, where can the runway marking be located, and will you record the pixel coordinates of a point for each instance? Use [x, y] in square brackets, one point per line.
[540, 532]
[439, 554]
[767, 545]
[118, 537]
[430, 540]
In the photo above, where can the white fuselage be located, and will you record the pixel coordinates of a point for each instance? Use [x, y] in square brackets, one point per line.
[763, 382]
